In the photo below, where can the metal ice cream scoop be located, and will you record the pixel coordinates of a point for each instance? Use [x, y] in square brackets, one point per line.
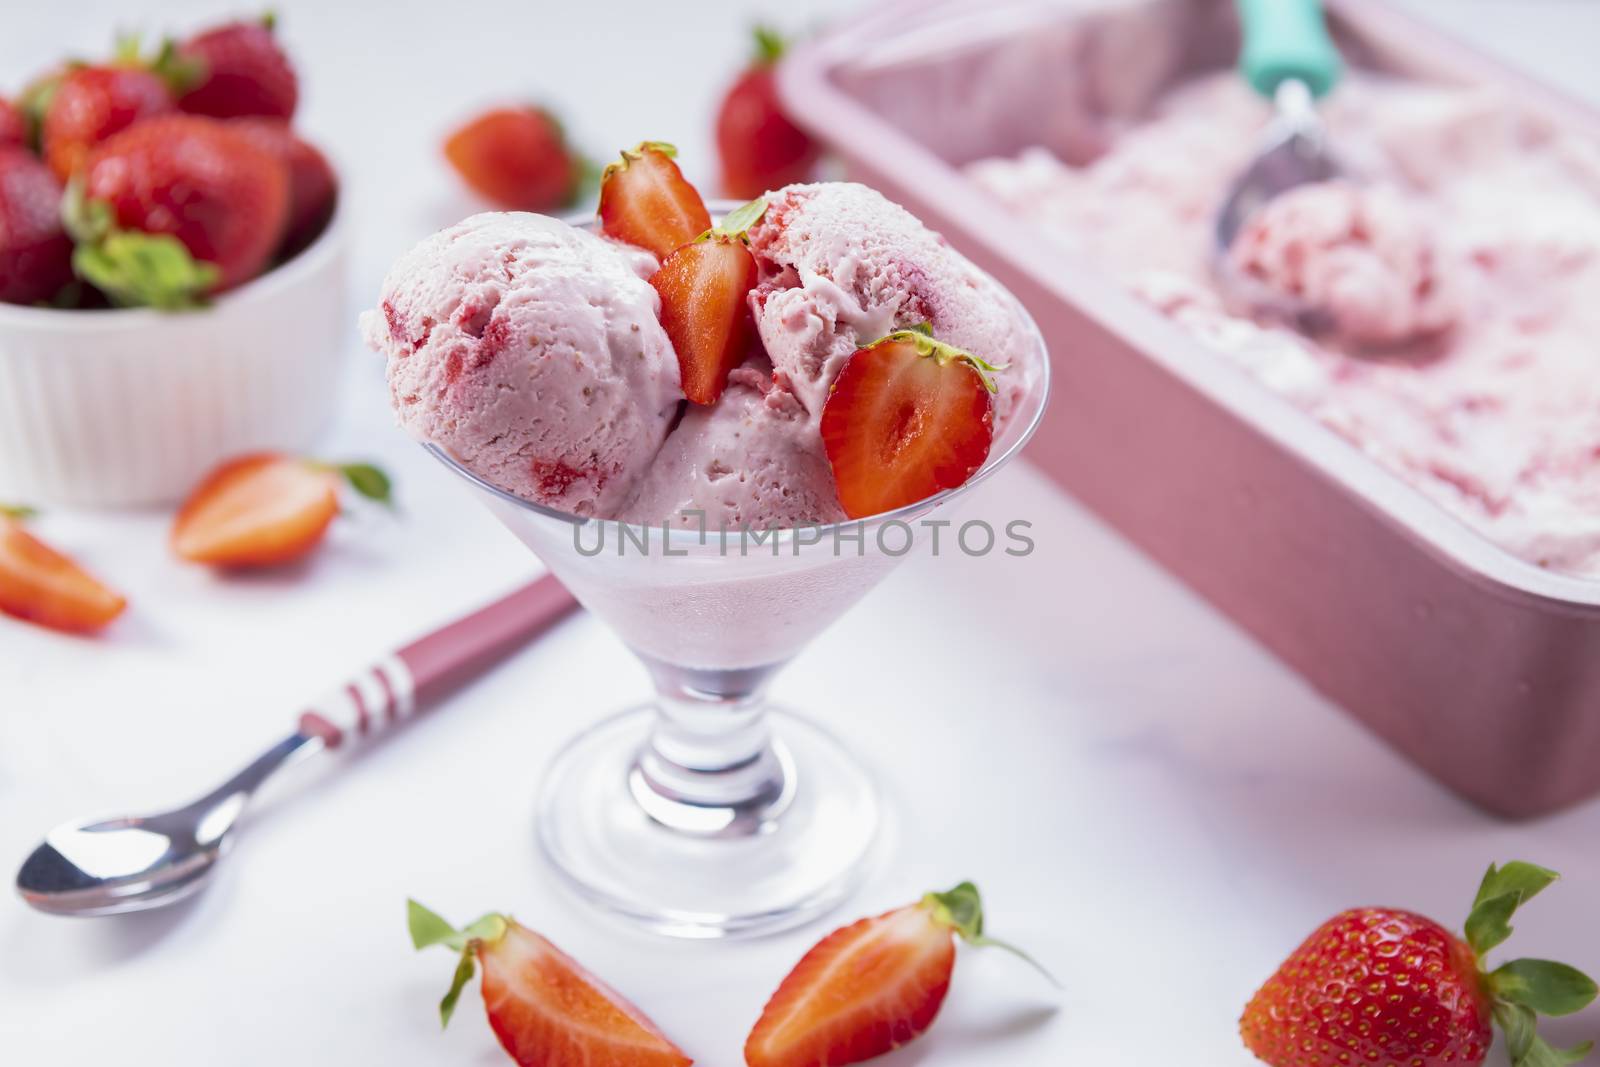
[1288, 58]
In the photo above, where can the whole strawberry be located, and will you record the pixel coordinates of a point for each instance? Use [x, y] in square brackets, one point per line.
[517, 157]
[238, 69]
[204, 186]
[312, 185]
[13, 127]
[1384, 986]
[35, 253]
[760, 148]
[92, 103]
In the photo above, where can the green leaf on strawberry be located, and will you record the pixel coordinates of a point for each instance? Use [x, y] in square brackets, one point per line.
[428, 928]
[368, 479]
[737, 222]
[770, 46]
[1543, 986]
[961, 909]
[145, 270]
[1523, 989]
[1503, 891]
[133, 269]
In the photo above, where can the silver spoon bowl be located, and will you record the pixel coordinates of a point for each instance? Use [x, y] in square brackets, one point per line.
[137, 862]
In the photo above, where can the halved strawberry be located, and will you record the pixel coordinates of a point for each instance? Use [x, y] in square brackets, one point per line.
[264, 509]
[703, 287]
[92, 103]
[907, 417]
[545, 1008]
[646, 201]
[41, 585]
[870, 987]
[517, 157]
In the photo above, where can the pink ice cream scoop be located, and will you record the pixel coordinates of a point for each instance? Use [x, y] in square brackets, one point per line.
[531, 351]
[754, 458]
[841, 266]
[1361, 262]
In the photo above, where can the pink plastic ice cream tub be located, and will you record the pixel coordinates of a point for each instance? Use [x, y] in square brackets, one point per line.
[1478, 664]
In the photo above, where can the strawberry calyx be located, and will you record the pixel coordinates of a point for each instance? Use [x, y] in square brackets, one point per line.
[17, 512]
[367, 479]
[428, 929]
[736, 224]
[180, 72]
[961, 909]
[133, 268]
[921, 338]
[632, 155]
[770, 46]
[1523, 989]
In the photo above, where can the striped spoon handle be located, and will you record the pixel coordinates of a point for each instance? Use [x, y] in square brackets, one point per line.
[393, 688]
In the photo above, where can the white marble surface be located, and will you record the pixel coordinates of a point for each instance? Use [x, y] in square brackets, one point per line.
[1152, 805]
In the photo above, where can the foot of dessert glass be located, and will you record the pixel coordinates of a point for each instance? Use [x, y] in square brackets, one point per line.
[709, 818]
[707, 812]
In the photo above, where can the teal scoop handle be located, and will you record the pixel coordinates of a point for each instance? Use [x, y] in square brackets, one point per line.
[1287, 40]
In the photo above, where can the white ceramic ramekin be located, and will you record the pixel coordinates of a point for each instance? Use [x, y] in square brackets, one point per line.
[131, 407]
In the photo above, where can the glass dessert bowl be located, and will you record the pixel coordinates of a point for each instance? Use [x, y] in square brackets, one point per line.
[707, 811]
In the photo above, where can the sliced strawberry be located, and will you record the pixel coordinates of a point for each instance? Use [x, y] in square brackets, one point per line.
[906, 418]
[545, 1008]
[313, 188]
[238, 69]
[41, 585]
[13, 126]
[517, 157]
[869, 987]
[264, 509]
[645, 201]
[760, 148]
[703, 287]
[92, 103]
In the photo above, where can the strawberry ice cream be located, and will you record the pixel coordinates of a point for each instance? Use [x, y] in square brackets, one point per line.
[842, 266]
[534, 353]
[531, 351]
[752, 458]
[1452, 277]
[1361, 260]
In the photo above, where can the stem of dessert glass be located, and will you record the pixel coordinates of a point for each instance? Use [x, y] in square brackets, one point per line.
[710, 767]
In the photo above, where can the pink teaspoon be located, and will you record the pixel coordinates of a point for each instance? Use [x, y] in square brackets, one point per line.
[138, 862]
